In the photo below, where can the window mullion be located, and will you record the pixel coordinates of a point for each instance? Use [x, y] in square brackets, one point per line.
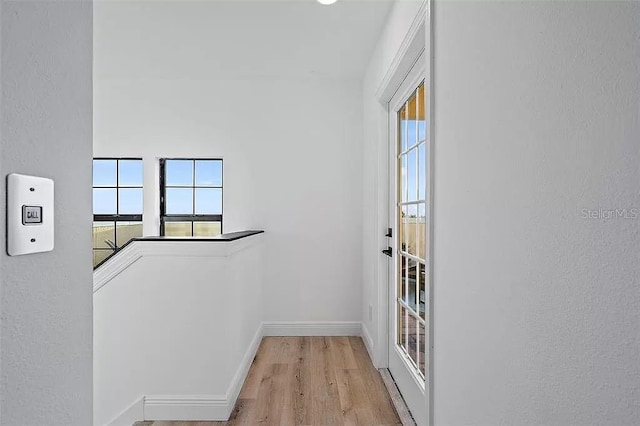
[117, 187]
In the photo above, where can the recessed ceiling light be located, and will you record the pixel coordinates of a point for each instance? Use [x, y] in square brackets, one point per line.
[327, 1]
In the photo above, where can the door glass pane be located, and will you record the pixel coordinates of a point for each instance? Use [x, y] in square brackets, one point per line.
[402, 280]
[421, 231]
[104, 201]
[130, 201]
[179, 172]
[100, 255]
[179, 201]
[412, 283]
[412, 123]
[422, 277]
[104, 234]
[412, 224]
[402, 188]
[177, 229]
[402, 128]
[402, 326]
[422, 123]
[208, 201]
[126, 231]
[422, 172]
[410, 229]
[401, 214]
[208, 173]
[412, 338]
[423, 344]
[104, 172]
[412, 175]
[130, 173]
[206, 229]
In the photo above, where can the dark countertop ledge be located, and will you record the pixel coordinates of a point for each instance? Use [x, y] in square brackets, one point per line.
[222, 238]
[231, 236]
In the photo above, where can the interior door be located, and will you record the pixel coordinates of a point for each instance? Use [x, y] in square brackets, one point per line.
[408, 208]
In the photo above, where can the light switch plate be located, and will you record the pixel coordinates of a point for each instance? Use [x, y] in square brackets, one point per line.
[29, 214]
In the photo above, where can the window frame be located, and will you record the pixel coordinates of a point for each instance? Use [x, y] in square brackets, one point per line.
[115, 218]
[164, 217]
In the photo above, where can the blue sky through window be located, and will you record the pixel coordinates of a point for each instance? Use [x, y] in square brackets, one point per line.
[202, 175]
[422, 164]
[104, 201]
[130, 201]
[130, 173]
[112, 173]
[208, 201]
[208, 173]
[104, 172]
[413, 132]
[179, 173]
[179, 201]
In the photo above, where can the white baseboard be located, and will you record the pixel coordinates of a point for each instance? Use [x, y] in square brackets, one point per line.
[134, 413]
[186, 407]
[368, 343]
[243, 370]
[312, 328]
[220, 407]
[204, 407]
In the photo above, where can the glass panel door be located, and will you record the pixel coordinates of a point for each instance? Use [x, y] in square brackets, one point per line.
[411, 217]
[409, 268]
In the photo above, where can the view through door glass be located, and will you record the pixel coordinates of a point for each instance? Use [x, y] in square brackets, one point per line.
[412, 224]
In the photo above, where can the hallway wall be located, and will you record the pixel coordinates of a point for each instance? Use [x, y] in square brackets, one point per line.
[290, 142]
[536, 306]
[46, 298]
[290, 149]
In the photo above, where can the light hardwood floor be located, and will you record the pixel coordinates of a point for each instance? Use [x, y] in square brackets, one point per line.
[310, 381]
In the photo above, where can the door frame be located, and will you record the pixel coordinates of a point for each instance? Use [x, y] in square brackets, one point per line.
[408, 87]
[418, 40]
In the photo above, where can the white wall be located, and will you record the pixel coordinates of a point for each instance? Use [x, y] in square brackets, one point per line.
[291, 161]
[157, 334]
[45, 298]
[374, 193]
[291, 147]
[536, 308]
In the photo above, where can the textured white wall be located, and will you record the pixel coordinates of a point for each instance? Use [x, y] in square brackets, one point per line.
[536, 308]
[45, 298]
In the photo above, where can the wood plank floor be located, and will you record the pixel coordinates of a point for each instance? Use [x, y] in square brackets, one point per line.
[310, 381]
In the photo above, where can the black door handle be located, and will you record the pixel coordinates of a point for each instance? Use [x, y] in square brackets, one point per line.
[388, 252]
[389, 233]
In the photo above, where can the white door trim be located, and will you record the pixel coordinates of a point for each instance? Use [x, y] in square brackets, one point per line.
[417, 38]
[410, 50]
[399, 365]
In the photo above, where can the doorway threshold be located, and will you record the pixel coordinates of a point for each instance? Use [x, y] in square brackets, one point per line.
[398, 402]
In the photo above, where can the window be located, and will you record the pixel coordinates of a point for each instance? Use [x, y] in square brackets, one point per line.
[117, 204]
[411, 205]
[190, 197]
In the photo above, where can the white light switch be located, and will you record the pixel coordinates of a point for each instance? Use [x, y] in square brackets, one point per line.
[29, 214]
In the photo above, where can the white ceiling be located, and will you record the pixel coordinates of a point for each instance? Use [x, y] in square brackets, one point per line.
[235, 39]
